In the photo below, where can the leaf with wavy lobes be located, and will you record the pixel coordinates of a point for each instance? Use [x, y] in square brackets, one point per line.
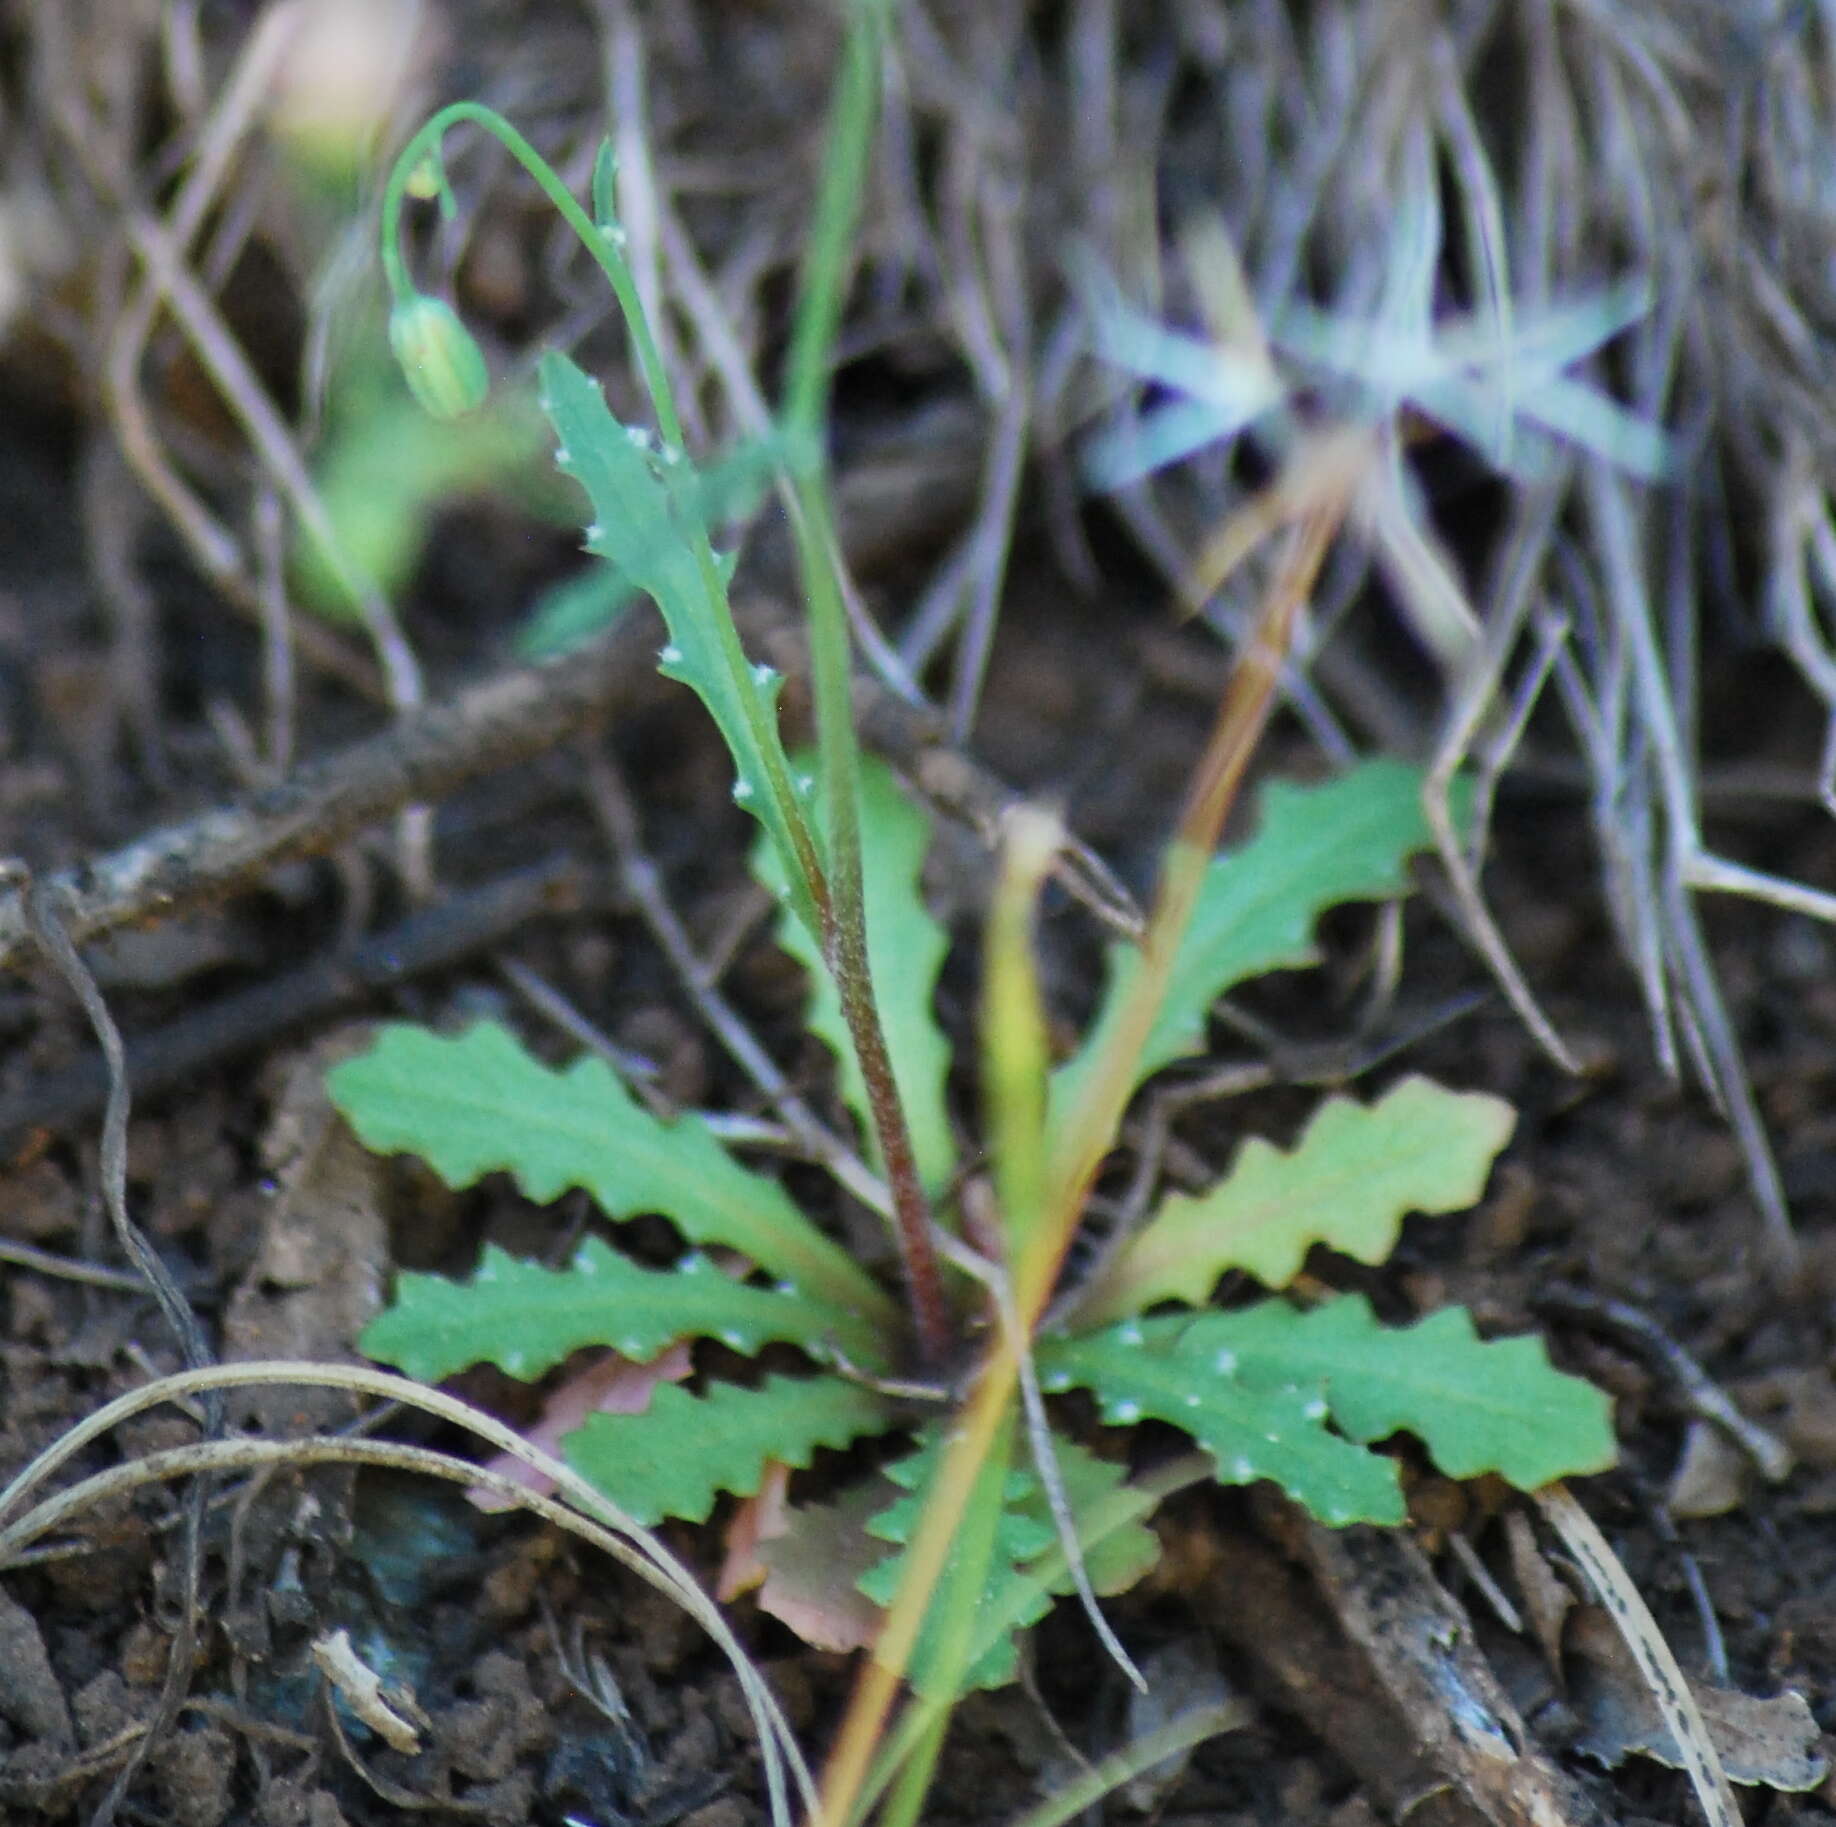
[1264, 1428]
[1356, 1171]
[609, 1383]
[905, 952]
[640, 526]
[479, 1103]
[1348, 839]
[1027, 1570]
[1477, 1405]
[526, 1318]
[1257, 1387]
[678, 1456]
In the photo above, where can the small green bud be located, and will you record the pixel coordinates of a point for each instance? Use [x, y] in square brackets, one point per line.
[427, 179]
[445, 368]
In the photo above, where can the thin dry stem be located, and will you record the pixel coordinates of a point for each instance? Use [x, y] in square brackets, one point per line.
[1669, 1687]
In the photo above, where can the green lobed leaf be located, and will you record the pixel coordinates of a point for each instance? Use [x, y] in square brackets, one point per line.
[1261, 1428]
[684, 1450]
[1120, 1548]
[1028, 1567]
[478, 1102]
[638, 527]
[526, 1318]
[573, 611]
[1348, 839]
[984, 1540]
[1477, 1405]
[905, 951]
[1121, 1511]
[1347, 1183]
[1021, 1535]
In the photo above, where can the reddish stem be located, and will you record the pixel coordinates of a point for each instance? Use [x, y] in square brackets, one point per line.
[846, 949]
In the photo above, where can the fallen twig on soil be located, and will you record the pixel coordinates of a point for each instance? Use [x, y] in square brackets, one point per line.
[1264, 1609]
[503, 719]
[1698, 1392]
[251, 1018]
[1420, 1646]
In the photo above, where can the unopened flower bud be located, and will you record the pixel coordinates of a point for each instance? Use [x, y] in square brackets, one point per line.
[445, 368]
[426, 180]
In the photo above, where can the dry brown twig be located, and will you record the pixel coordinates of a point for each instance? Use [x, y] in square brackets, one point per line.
[505, 718]
[249, 1020]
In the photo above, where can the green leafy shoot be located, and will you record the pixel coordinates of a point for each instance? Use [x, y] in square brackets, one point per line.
[1268, 1391]
[1003, 1506]
[1025, 1570]
[640, 526]
[649, 506]
[905, 953]
[717, 494]
[1112, 1536]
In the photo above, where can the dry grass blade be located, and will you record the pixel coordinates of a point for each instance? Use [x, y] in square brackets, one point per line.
[1575, 223]
[1654, 758]
[1104, 1778]
[1470, 702]
[42, 918]
[1669, 1688]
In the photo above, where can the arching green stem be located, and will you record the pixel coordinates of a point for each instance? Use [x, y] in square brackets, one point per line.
[425, 148]
[810, 889]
